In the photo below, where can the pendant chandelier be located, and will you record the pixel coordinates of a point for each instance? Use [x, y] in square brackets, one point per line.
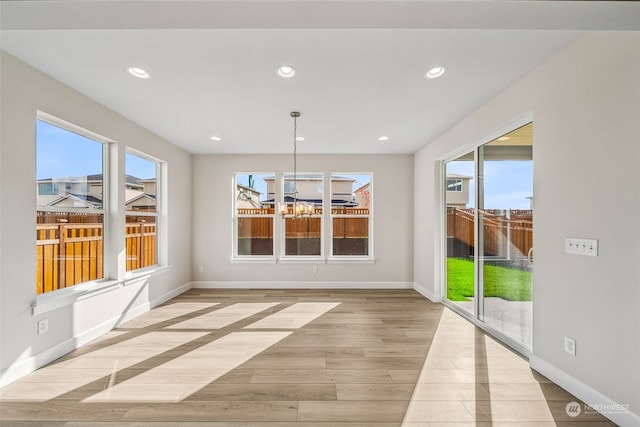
[299, 208]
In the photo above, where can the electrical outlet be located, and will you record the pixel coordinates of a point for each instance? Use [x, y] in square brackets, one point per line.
[315, 269]
[43, 326]
[570, 345]
[201, 269]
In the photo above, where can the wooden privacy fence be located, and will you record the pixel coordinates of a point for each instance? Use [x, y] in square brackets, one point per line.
[261, 227]
[509, 237]
[67, 254]
[71, 253]
[140, 238]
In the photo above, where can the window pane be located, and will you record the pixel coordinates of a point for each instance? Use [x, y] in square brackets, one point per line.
[255, 236]
[454, 185]
[69, 221]
[309, 186]
[69, 249]
[141, 184]
[68, 169]
[140, 236]
[254, 205]
[141, 190]
[303, 234]
[350, 236]
[351, 199]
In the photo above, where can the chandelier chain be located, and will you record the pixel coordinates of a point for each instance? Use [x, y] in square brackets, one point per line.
[295, 158]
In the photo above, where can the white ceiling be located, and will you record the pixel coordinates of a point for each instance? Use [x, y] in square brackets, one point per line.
[360, 65]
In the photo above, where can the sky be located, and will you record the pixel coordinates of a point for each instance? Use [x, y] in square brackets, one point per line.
[61, 153]
[507, 183]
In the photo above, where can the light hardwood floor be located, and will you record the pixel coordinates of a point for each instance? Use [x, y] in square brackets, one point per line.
[296, 358]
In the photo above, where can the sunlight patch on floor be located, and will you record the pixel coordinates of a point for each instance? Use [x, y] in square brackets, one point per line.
[167, 312]
[469, 377]
[182, 376]
[60, 378]
[295, 316]
[224, 317]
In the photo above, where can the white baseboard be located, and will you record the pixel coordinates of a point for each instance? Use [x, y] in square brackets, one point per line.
[585, 393]
[427, 293]
[30, 364]
[299, 285]
[170, 295]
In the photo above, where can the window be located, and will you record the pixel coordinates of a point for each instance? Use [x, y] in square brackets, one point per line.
[47, 188]
[254, 205]
[351, 202]
[303, 234]
[264, 214]
[141, 206]
[454, 185]
[70, 218]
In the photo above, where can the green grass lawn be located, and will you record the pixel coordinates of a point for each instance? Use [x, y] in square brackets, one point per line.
[506, 283]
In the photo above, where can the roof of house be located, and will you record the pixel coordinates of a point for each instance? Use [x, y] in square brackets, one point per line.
[310, 177]
[90, 200]
[334, 202]
[458, 176]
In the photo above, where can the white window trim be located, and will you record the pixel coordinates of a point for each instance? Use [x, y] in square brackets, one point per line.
[159, 214]
[250, 259]
[302, 259]
[355, 259]
[351, 259]
[60, 297]
[279, 256]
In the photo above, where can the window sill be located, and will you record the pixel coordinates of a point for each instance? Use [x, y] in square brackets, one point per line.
[302, 260]
[350, 260]
[53, 300]
[253, 260]
[144, 273]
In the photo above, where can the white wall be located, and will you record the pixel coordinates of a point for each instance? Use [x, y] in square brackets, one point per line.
[585, 103]
[393, 220]
[24, 91]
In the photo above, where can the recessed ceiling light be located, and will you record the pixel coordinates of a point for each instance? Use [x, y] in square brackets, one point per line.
[435, 72]
[299, 138]
[504, 138]
[383, 138]
[286, 71]
[138, 72]
[216, 138]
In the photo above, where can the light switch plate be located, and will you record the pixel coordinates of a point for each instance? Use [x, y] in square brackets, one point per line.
[580, 246]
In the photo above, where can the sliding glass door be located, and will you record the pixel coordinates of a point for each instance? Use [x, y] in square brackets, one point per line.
[460, 231]
[489, 272]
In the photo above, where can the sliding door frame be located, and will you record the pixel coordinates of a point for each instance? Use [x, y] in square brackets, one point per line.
[478, 312]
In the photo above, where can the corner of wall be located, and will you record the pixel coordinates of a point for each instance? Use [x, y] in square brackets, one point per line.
[431, 296]
[617, 412]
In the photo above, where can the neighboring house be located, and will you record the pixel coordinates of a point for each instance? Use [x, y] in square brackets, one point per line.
[247, 197]
[363, 196]
[310, 189]
[458, 190]
[52, 191]
[86, 192]
[77, 201]
[140, 201]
